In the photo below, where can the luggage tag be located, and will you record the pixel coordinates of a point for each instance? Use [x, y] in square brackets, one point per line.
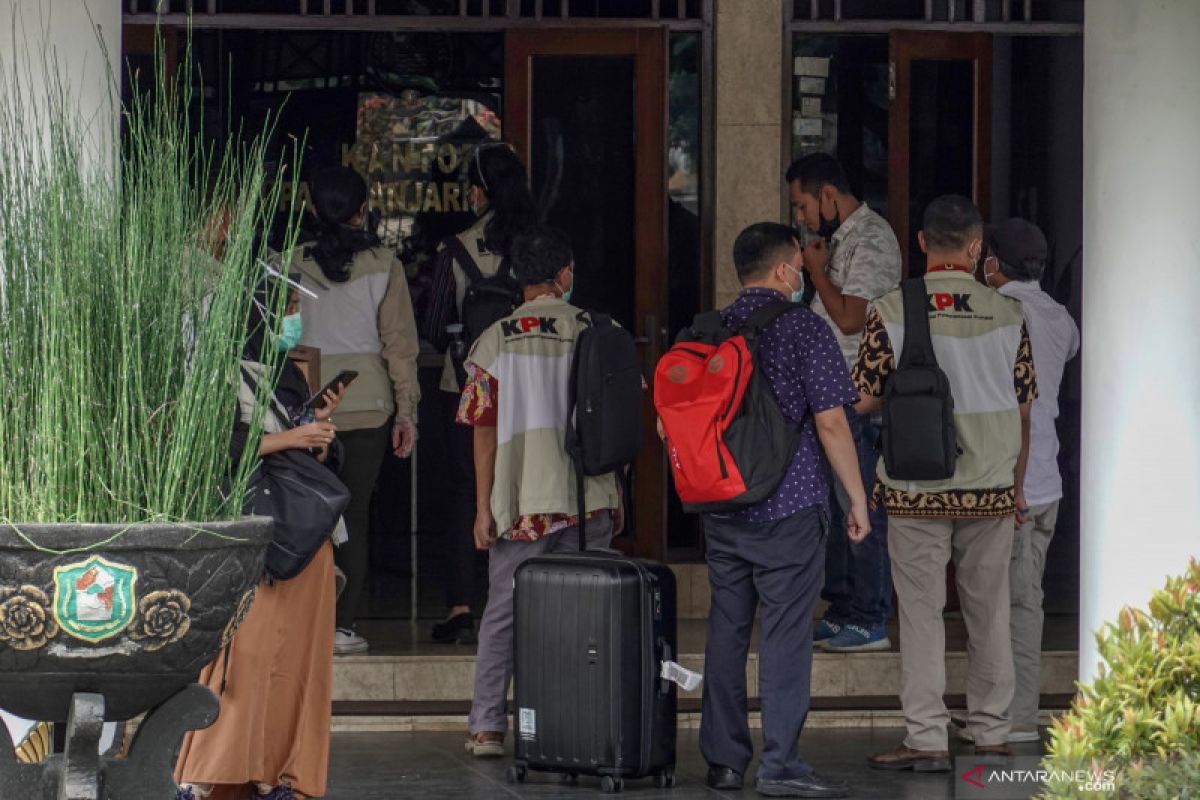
[682, 677]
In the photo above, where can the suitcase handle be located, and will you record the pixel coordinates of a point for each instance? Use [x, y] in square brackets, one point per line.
[664, 685]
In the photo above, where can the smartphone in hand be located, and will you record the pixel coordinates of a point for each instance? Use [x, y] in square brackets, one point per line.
[342, 379]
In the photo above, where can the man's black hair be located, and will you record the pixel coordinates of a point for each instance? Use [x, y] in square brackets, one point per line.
[538, 254]
[1029, 270]
[951, 222]
[815, 170]
[760, 247]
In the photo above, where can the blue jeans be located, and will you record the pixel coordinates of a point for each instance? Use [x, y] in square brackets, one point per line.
[858, 577]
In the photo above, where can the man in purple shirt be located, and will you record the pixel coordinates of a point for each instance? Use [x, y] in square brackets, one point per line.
[771, 554]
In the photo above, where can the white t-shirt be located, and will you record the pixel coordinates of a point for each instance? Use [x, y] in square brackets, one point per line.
[1054, 337]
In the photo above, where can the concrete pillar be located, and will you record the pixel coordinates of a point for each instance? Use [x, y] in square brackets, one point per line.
[1141, 232]
[84, 38]
[749, 120]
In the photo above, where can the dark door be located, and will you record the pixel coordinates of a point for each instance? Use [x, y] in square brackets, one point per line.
[586, 110]
[939, 128]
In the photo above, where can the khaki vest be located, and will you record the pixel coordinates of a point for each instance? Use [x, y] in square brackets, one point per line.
[529, 354]
[976, 336]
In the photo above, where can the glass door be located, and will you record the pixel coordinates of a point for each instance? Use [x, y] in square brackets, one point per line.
[939, 127]
[586, 111]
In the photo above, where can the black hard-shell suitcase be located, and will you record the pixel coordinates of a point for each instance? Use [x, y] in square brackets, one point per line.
[591, 630]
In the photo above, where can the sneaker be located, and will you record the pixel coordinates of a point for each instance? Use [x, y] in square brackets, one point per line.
[347, 642]
[825, 630]
[185, 793]
[486, 744]
[460, 628]
[856, 638]
[277, 793]
[1024, 733]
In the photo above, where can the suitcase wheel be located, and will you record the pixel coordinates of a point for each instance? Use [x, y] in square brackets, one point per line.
[665, 779]
[516, 773]
[570, 778]
[611, 785]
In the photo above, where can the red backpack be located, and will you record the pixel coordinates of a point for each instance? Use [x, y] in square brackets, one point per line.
[729, 444]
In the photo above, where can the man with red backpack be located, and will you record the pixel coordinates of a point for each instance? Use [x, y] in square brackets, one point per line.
[770, 552]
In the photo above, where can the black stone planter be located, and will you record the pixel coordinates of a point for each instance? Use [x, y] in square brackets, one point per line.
[111, 632]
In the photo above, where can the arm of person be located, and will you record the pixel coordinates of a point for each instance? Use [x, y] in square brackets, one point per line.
[874, 363]
[847, 310]
[485, 478]
[313, 436]
[834, 432]
[398, 334]
[1025, 385]
[1022, 464]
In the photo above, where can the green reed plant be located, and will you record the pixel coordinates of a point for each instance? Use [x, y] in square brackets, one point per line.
[127, 273]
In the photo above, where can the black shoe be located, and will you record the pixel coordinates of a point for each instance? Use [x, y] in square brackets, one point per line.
[723, 778]
[459, 628]
[811, 785]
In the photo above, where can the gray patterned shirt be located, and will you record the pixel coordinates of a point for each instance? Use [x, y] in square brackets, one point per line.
[864, 261]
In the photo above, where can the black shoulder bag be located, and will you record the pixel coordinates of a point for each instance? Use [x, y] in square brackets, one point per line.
[919, 439]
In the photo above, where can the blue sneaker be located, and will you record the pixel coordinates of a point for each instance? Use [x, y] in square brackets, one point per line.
[825, 630]
[856, 638]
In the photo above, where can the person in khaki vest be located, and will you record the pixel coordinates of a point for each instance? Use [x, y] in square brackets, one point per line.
[980, 342]
[499, 194]
[518, 377]
[361, 319]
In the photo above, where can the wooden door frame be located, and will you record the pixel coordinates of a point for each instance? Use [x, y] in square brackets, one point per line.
[905, 47]
[648, 47]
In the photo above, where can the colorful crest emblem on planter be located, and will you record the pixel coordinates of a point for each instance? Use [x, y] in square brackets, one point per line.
[94, 599]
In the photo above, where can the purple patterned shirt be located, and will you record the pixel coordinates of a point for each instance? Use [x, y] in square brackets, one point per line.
[802, 361]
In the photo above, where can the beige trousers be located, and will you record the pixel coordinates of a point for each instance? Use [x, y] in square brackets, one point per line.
[1025, 578]
[920, 549]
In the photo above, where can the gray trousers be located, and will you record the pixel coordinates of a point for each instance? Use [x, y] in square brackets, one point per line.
[494, 660]
[981, 549]
[1025, 576]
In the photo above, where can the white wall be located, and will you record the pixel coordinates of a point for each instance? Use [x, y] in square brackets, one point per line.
[1141, 227]
[84, 38]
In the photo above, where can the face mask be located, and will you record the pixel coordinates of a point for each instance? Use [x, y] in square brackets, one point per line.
[566, 293]
[289, 336]
[828, 226]
[797, 294]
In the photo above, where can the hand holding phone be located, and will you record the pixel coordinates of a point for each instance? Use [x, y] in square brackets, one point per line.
[337, 386]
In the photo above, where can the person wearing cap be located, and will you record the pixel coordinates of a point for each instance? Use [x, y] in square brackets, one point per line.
[1013, 267]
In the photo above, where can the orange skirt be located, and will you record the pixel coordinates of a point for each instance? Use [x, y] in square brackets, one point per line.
[275, 714]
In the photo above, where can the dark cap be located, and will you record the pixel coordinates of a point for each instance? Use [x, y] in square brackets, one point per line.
[1016, 242]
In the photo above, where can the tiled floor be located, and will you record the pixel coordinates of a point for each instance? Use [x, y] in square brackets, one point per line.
[424, 766]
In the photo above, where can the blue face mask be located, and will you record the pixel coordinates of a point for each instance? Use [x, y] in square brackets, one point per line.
[290, 335]
[797, 294]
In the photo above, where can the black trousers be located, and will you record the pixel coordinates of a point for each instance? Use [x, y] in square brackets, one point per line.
[364, 451]
[775, 565]
[464, 569]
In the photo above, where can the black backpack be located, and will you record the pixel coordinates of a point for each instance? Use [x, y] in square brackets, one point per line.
[604, 423]
[487, 299]
[919, 439]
